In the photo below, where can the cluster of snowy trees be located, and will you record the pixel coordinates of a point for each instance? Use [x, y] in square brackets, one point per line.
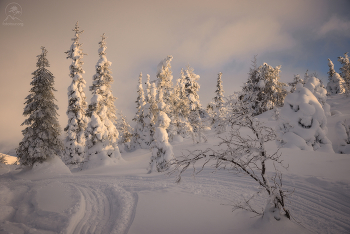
[91, 133]
[167, 112]
[180, 103]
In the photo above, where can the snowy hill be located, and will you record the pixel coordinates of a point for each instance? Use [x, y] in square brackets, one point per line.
[123, 198]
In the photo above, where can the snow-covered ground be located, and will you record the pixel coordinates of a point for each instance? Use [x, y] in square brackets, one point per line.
[123, 198]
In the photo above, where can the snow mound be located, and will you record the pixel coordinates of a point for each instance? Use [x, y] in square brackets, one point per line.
[101, 159]
[52, 167]
[178, 139]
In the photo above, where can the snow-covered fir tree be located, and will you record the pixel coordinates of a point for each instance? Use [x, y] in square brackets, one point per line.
[148, 88]
[263, 90]
[218, 111]
[41, 138]
[303, 123]
[316, 87]
[138, 137]
[181, 110]
[296, 80]
[77, 105]
[126, 133]
[345, 72]
[191, 89]
[102, 134]
[150, 111]
[164, 82]
[162, 151]
[343, 132]
[335, 83]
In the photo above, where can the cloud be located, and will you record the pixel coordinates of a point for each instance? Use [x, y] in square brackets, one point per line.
[215, 42]
[335, 25]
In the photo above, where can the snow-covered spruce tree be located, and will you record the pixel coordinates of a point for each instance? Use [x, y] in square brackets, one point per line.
[335, 83]
[41, 136]
[148, 88]
[150, 110]
[317, 89]
[191, 89]
[138, 137]
[181, 110]
[263, 90]
[101, 133]
[126, 133]
[162, 151]
[219, 112]
[77, 105]
[345, 72]
[303, 123]
[244, 154]
[164, 82]
[343, 130]
[296, 80]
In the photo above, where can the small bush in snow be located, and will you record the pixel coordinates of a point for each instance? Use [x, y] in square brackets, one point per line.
[246, 154]
[302, 122]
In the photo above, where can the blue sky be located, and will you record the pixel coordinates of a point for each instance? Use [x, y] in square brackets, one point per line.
[211, 36]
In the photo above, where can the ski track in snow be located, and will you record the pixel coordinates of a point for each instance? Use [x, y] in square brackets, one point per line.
[99, 207]
[319, 206]
[107, 204]
[104, 209]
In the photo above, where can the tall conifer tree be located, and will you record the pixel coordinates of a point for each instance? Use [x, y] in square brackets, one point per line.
[41, 136]
[102, 134]
[77, 105]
